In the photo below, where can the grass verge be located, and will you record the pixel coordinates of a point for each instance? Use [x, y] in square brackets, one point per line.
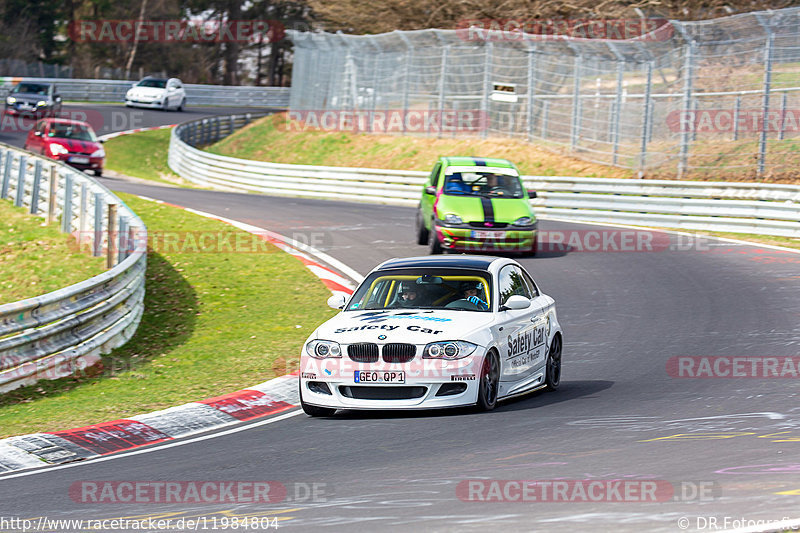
[143, 155]
[36, 258]
[270, 139]
[213, 323]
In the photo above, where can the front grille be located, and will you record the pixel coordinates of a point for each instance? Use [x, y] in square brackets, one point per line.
[493, 225]
[398, 352]
[365, 352]
[359, 392]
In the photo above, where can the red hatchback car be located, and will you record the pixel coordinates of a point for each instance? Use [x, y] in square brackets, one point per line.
[70, 141]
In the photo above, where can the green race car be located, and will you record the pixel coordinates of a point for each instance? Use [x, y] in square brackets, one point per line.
[475, 204]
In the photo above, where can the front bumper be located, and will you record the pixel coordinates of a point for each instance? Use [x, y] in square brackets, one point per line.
[142, 103]
[427, 385]
[37, 112]
[469, 239]
[94, 163]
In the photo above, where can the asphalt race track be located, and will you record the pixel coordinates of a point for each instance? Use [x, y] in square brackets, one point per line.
[728, 447]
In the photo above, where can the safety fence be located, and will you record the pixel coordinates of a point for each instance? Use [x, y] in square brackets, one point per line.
[768, 209]
[58, 333]
[682, 98]
[82, 90]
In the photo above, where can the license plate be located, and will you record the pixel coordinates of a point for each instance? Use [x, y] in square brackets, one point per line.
[79, 160]
[25, 106]
[478, 234]
[383, 376]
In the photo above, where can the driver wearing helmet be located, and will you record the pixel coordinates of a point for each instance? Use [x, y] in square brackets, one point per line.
[471, 290]
[409, 295]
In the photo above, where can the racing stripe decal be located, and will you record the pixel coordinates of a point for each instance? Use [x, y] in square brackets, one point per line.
[488, 210]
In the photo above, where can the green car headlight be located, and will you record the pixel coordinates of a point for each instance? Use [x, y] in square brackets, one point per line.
[524, 221]
[450, 218]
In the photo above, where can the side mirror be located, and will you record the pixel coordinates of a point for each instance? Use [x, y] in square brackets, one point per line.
[57, 98]
[516, 302]
[101, 141]
[336, 301]
[430, 189]
[37, 133]
[532, 194]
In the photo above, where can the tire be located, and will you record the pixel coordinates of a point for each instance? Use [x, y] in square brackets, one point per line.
[490, 379]
[164, 105]
[422, 231]
[434, 246]
[553, 368]
[182, 104]
[98, 172]
[313, 410]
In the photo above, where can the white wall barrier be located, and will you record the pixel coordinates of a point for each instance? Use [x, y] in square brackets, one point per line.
[768, 209]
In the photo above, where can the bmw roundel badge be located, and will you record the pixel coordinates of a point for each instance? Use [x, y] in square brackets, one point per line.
[381, 337]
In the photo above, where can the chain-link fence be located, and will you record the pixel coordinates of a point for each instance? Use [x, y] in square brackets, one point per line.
[686, 99]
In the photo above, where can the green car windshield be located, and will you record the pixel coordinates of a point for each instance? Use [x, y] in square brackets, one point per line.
[483, 183]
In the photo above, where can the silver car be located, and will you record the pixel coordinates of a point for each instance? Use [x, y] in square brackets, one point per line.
[157, 93]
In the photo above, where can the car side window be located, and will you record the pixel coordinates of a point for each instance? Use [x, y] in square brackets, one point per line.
[512, 282]
[533, 289]
[433, 179]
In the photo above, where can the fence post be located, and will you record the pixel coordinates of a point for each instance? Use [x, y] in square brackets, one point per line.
[617, 108]
[576, 103]
[688, 74]
[488, 48]
[7, 174]
[111, 249]
[82, 214]
[736, 109]
[531, 89]
[442, 73]
[52, 194]
[783, 115]
[37, 185]
[647, 119]
[406, 76]
[66, 212]
[19, 197]
[123, 239]
[97, 248]
[545, 110]
[769, 46]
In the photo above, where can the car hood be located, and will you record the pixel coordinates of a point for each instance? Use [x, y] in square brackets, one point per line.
[476, 209]
[75, 146]
[30, 97]
[147, 91]
[399, 325]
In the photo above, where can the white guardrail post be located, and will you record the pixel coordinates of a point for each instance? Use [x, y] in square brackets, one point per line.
[767, 209]
[57, 334]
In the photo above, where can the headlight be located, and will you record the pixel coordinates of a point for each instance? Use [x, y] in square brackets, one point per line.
[448, 350]
[10, 100]
[323, 349]
[40, 103]
[57, 149]
[524, 221]
[453, 219]
[99, 153]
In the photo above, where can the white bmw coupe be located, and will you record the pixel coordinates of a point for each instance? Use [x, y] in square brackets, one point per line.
[433, 332]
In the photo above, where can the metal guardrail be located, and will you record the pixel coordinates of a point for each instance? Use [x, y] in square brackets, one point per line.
[56, 334]
[114, 91]
[768, 209]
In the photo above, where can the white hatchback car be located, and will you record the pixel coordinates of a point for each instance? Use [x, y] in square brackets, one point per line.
[157, 93]
[432, 332]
